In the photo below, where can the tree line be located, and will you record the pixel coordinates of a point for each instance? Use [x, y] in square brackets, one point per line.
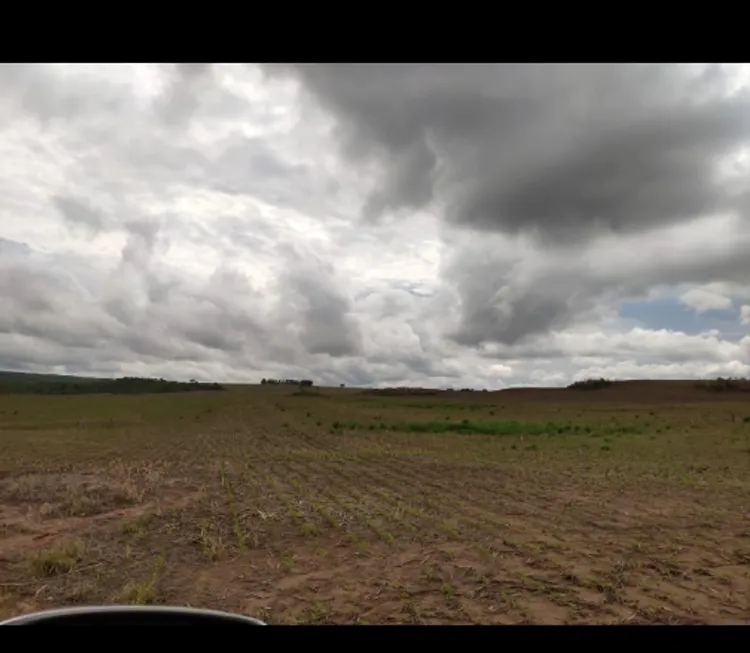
[286, 382]
[123, 386]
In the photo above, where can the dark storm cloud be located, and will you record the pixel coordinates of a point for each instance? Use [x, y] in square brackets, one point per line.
[554, 150]
[560, 154]
[502, 300]
[508, 297]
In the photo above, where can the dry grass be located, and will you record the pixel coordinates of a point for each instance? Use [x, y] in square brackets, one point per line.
[361, 508]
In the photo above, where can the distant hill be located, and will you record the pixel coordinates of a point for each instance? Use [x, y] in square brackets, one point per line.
[58, 384]
[29, 377]
[637, 391]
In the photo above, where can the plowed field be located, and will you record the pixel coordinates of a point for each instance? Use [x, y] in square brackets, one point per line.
[528, 506]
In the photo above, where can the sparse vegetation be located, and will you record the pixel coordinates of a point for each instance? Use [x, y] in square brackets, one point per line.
[59, 559]
[407, 506]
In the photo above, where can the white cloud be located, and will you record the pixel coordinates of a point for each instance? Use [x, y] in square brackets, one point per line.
[206, 223]
[702, 300]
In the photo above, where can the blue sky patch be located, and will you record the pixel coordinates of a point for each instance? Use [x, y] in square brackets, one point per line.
[669, 313]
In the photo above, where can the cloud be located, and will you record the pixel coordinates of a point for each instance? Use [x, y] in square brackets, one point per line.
[78, 213]
[557, 150]
[564, 163]
[510, 290]
[701, 300]
[439, 225]
[745, 315]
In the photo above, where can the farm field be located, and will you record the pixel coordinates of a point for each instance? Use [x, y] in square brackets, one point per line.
[626, 505]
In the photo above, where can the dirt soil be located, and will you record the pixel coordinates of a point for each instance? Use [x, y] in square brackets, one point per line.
[623, 509]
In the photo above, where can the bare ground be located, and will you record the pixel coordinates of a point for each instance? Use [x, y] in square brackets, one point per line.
[258, 502]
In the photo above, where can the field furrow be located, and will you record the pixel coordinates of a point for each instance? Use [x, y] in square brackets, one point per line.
[344, 507]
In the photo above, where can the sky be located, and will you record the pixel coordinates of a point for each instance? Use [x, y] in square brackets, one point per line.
[468, 225]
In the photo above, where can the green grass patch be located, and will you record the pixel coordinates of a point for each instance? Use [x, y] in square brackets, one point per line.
[511, 427]
[506, 427]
